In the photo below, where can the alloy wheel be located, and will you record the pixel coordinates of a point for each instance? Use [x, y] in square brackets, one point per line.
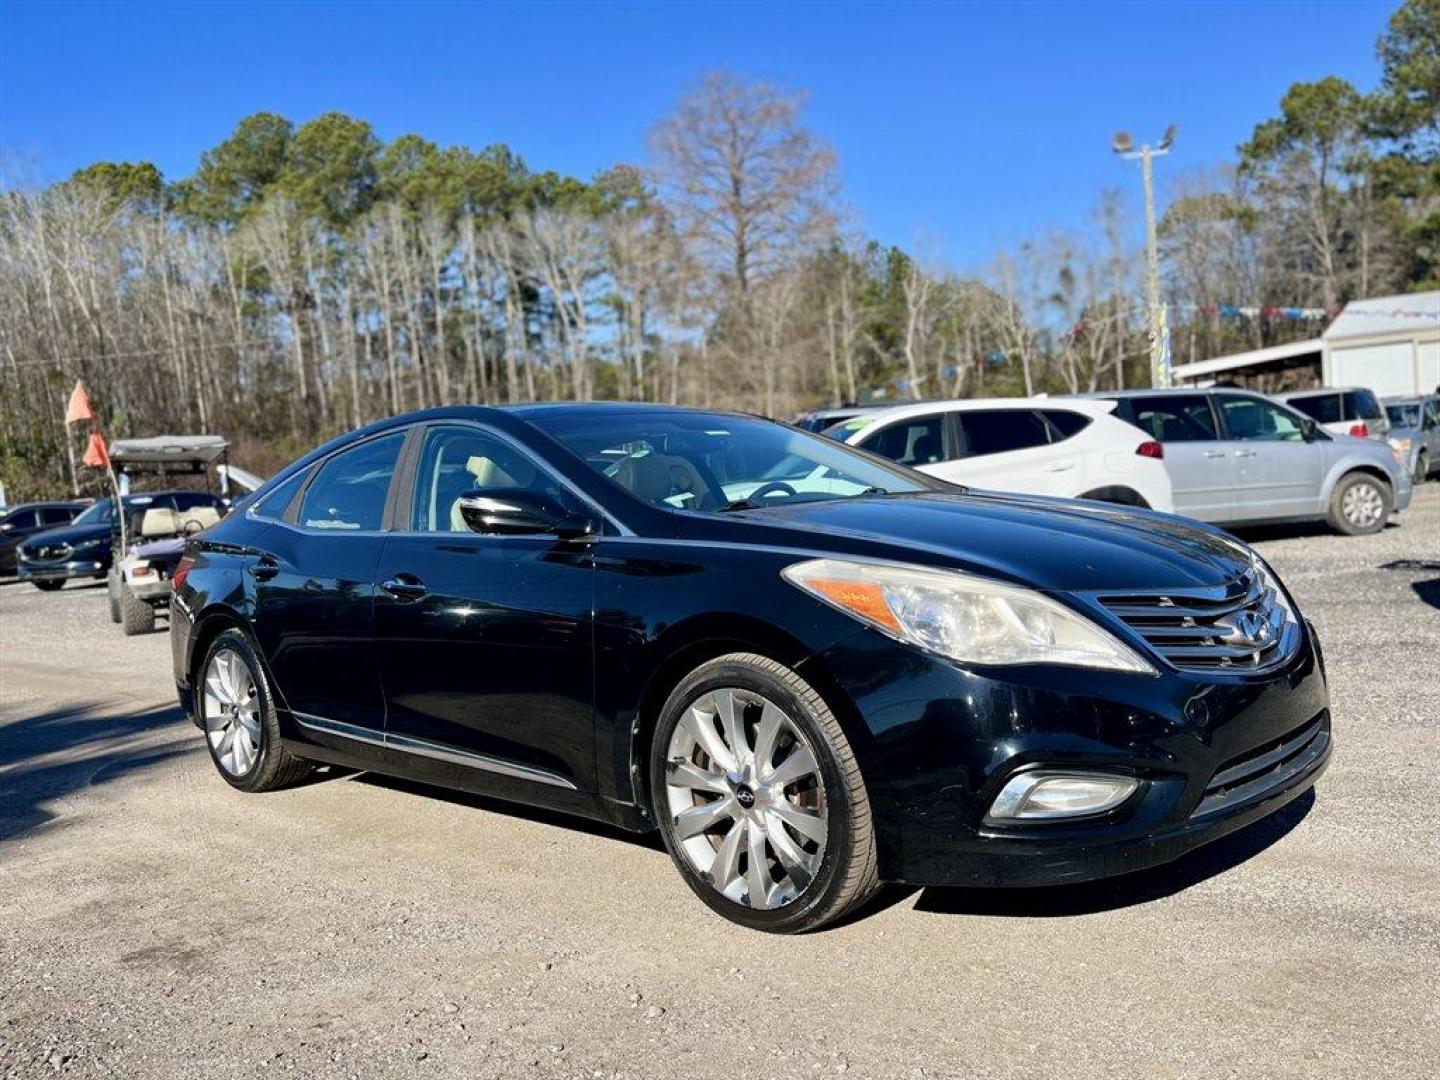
[746, 798]
[1362, 505]
[232, 712]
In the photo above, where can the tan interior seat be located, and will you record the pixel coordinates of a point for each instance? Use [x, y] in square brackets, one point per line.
[199, 517]
[159, 521]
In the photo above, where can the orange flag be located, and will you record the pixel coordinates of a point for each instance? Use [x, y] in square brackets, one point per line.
[96, 456]
[79, 407]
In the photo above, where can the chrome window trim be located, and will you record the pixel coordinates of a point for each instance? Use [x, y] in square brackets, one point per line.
[407, 744]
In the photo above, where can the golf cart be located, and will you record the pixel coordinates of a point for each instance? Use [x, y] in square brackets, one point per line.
[149, 539]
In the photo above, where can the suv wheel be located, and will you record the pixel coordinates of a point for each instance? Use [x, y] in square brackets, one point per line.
[232, 700]
[1359, 505]
[759, 797]
[49, 586]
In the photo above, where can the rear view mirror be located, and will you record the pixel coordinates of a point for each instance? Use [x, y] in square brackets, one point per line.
[1308, 429]
[520, 513]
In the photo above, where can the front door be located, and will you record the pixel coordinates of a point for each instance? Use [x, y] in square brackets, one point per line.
[1278, 473]
[1202, 468]
[484, 641]
[313, 572]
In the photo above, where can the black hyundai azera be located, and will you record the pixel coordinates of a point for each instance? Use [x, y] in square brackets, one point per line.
[812, 670]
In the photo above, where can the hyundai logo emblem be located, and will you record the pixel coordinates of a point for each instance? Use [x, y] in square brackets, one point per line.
[1247, 628]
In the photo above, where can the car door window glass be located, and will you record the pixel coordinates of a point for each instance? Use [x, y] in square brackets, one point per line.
[457, 461]
[1362, 405]
[350, 489]
[22, 519]
[1253, 420]
[1175, 417]
[1066, 423]
[996, 431]
[57, 515]
[910, 442]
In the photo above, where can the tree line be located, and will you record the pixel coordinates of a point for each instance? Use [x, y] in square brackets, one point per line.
[307, 279]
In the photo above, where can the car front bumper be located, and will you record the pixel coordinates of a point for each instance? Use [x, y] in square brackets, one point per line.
[937, 742]
[61, 571]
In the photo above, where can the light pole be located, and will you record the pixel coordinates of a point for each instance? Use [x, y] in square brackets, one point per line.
[1124, 145]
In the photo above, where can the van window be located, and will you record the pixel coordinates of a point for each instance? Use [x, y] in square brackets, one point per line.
[1175, 417]
[1322, 408]
[1362, 405]
[1252, 419]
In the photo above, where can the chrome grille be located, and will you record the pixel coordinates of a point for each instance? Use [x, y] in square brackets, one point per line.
[1266, 768]
[46, 553]
[1242, 626]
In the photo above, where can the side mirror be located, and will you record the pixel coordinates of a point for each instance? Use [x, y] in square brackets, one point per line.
[521, 513]
[1309, 429]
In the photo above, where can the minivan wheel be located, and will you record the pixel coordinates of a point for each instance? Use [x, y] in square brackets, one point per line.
[759, 798]
[237, 714]
[1359, 505]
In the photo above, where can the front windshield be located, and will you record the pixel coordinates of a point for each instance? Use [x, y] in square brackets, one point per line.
[98, 514]
[713, 461]
[1404, 415]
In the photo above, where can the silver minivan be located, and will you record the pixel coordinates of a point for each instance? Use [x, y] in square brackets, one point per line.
[1239, 458]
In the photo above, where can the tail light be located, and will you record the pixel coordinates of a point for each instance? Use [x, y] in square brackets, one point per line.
[181, 572]
[141, 570]
[1150, 449]
[1360, 430]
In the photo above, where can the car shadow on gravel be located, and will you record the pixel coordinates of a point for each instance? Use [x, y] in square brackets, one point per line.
[1428, 591]
[47, 755]
[1111, 894]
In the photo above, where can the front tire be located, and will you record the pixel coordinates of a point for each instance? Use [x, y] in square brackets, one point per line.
[759, 797]
[237, 714]
[136, 616]
[49, 586]
[1360, 505]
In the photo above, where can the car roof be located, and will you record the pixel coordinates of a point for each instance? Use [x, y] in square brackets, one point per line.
[46, 504]
[1095, 407]
[1116, 395]
[1317, 390]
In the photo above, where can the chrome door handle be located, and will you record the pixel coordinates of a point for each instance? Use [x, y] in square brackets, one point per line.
[404, 587]
[1214, 453]
[1244, 453]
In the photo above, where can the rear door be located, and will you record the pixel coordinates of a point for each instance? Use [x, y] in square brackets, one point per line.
[1201, 467]
[1278, 473]
[314, 587]
[1010, 450]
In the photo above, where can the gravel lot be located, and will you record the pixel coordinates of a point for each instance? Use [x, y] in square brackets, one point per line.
[155, 923]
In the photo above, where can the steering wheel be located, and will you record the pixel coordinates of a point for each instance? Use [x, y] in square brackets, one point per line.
[767, 489]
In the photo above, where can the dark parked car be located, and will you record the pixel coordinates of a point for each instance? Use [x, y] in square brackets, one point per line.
[660, 617]
[19, 523]
[85, 547]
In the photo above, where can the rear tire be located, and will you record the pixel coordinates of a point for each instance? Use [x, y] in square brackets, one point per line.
[136, 616]
[810, 826]
[49, 586]
[1360, 505]
[237, 714]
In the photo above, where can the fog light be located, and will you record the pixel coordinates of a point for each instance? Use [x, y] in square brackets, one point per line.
[1046, 796]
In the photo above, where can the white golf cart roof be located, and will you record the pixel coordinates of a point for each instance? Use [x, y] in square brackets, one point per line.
[196, 451]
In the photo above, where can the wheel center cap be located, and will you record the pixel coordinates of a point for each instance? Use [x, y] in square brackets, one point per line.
[744, 795]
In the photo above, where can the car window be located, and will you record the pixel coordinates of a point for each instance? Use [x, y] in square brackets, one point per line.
[23, 519]
[1432, 412]
[1407, 415]
[1066, 423]
[996, 431]
[278, 500]
[1175, 417]
[916, 441]
[1362, 405]
[1251, 419]
[349, 490]
[1322, 408]
[459, 460]
[58, 515]
[96, 513]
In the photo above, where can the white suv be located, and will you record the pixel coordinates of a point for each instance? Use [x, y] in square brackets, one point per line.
[1039, 446]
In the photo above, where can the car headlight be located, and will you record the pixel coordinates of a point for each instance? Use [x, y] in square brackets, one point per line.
[967, 618]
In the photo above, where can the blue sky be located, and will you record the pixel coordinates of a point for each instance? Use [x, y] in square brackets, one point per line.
[961, 128]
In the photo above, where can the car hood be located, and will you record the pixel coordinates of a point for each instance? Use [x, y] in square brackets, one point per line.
[1056, 544]
[67, 534]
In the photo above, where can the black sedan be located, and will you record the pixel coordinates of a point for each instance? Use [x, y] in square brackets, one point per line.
[811, 669]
